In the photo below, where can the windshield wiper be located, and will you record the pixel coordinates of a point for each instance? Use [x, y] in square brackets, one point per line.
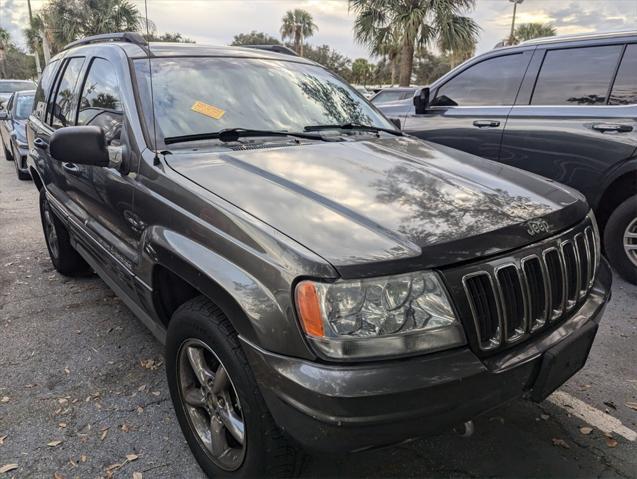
[353, 126]
[233, 134]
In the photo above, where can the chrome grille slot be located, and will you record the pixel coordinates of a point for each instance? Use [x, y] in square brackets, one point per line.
[590, 240]
[583, 254]
[572, 273]
[484, 307]
[536, 291]
[556, 282]
[513, 302]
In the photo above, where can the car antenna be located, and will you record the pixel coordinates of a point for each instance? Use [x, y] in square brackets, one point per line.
[150, 76]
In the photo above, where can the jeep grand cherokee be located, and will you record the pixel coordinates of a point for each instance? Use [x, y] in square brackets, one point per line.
[320, 280]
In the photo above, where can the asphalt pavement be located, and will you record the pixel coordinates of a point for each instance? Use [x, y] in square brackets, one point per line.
[83, 390]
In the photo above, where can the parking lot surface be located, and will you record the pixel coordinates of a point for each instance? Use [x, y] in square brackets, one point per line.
[83, 390]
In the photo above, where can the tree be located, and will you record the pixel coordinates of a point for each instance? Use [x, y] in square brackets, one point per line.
[168, 37]
[329, 58]
[362, 71]
[68, 20]
[417, 24]
[254, 38]
[528, 31]
[14, 63]
[429, 67]
[297, 25]
[4, 46]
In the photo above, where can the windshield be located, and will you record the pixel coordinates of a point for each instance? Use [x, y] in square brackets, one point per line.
[392, 95]
[23, 106]
[203, 95]
[11, 86]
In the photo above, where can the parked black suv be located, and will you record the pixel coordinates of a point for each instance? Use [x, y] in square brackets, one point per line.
[319, 279]
[562, 107]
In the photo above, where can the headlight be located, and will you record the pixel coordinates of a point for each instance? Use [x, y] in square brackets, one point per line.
[386, 316]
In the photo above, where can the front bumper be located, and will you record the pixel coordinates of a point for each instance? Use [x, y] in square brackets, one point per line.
[345, 407]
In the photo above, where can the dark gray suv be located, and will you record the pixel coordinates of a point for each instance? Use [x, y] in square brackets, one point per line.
[561, 107]
[320, 280]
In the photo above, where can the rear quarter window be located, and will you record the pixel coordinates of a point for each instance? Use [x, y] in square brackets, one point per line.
[625, 88]
[44, 87]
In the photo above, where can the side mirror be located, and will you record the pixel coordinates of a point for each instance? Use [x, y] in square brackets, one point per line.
[82, 145]
[421, 101]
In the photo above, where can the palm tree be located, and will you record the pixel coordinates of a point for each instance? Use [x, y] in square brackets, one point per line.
[416, 23]
[67, 20]
[4, 46]
[382, 41]
[297, 25]
[528, 31]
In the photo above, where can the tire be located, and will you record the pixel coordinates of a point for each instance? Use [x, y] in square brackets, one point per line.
[7, 154]
[65, 258]
[265, 452]
[621, 223]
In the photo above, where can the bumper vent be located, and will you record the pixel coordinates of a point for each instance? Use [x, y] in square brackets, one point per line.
[513, 297]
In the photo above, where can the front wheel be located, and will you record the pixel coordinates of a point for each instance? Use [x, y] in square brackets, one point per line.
[217, 401]
[620, 239]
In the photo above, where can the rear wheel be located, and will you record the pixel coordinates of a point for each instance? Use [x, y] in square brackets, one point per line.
[217, 401]
[620, 239]
[63, 256]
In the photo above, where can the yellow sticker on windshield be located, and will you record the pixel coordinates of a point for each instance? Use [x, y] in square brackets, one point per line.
[208, 110]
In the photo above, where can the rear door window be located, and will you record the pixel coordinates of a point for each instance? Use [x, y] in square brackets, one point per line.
[576, 76]
[491, 82]
[625, 88]
[61, 109]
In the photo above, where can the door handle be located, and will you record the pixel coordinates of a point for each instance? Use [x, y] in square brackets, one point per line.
[40, 143]
[612, 127]
[486, 123]
[71, 168]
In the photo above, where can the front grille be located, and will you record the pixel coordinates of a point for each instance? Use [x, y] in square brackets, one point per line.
[512, 297]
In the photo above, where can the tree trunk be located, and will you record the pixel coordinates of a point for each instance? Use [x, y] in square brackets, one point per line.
[45, 47]
[406, 61]
[298, 48]
[393, 65]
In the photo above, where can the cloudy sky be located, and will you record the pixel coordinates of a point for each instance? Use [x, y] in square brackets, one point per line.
[216, 21]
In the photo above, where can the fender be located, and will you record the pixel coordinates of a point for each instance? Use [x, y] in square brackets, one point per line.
[620, 169]
[258, 314]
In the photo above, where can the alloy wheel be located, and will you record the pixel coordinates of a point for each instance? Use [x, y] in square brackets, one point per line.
[50, 232]
[630, 241]
[212, 404]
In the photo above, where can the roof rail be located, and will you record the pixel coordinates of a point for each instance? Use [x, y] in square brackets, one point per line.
[578, 36]
[130, 37]
[274, 48]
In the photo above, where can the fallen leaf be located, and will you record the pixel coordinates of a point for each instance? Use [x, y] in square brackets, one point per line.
[140, 409]
[83, 458]
[585, 430]
[8, 467]
[610, 404]
[63, 400]
[560, 442]
[544, 417]
[57, 475]
[632, 405]
[155, 393]
[2, 438]
[54, 443]
[131, 457]
[124, 427]
[67, 371]
[610, 442]
[62, 425]
[103, 435]
[137, 475]
[5, 399]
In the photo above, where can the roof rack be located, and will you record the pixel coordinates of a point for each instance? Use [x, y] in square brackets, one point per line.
[130, 37]
[578, 36]
[274, 48]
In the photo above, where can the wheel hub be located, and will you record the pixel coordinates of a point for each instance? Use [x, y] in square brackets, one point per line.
[630, 241]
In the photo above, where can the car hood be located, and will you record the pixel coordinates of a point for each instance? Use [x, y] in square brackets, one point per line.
[384, 205]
